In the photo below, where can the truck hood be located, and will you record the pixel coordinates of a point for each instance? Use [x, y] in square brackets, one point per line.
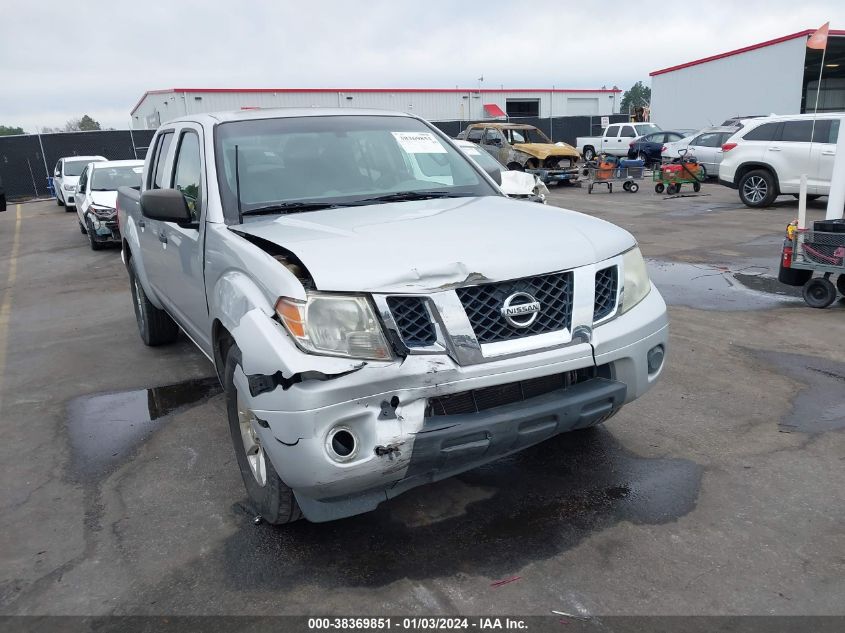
[430, 245]
[544, 150]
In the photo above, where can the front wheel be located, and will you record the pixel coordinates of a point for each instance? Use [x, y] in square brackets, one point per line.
[696, 187]
[633, 188]
[59, 201]
[95, 245]
[757, 189]
[154, 325]
[589, 154]
[659, 188]
[819, 292]
[268, 494]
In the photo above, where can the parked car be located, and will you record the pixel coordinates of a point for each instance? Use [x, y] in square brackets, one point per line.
[768, 156]
[519, 146]
[647, 148]
[706, 146]
[515, 183]
[614, 140]
[66, 175]
[374, 330]
[96, 198]
[736, 121]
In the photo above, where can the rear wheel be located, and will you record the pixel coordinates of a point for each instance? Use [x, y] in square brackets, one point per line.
[696, 187]
[589, 153]
[268, 494]
[633, 188]
[672, 189]
[642, 156]
[757, 188]
[659, 188]
[819, 292]
[154, 325]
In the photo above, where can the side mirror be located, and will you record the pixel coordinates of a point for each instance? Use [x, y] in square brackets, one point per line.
[495, 173]
[167, 205]
[56, 174]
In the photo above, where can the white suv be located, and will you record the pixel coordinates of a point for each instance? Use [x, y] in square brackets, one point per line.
[767, 157]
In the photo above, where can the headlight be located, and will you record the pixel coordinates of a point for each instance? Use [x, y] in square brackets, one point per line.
[68, 187]
[336, 325]
[103, 212]
[636, 283]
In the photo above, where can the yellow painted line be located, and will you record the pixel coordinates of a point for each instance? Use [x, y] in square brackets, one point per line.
[6, 305]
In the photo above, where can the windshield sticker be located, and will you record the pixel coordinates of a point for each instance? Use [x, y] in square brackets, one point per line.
[419, 142]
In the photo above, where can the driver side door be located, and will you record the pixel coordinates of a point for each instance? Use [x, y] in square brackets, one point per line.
[495, 144]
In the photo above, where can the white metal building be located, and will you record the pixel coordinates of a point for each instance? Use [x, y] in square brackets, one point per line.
[438, 104]
[778, 76]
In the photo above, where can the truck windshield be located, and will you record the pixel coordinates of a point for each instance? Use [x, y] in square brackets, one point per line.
[337, 160]
[530, 135]
[111, 178]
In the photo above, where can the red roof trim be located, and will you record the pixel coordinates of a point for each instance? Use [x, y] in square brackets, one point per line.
[376, 90]
[738, 51]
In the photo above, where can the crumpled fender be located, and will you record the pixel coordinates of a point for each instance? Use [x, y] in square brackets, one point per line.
[543, 150]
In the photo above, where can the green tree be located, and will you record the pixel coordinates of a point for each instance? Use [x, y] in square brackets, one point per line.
[638, 95]
[9, 130]
[85, 124]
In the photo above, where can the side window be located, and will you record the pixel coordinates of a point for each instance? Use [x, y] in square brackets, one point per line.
[827, 131]
[491, 136]
[187, 177]
[612, 131]
[83, 180]
[765, 132]
[709, 140]
[58, 169]
[628, 132]
[696, 140]
[475, 134]
[796, 131]
[671, 137]
[159, 158]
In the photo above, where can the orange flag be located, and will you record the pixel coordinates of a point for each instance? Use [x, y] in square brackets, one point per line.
[818, 40]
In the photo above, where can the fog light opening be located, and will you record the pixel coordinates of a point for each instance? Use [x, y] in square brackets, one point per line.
[341, 444]
[655, 359]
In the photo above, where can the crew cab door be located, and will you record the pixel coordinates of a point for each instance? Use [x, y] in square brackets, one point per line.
[494, 142]
[182, 256]
[610, 138]
[627, 133]
[823, 154]
[150, 229]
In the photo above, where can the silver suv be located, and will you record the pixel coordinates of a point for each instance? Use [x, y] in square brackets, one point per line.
[768, 156]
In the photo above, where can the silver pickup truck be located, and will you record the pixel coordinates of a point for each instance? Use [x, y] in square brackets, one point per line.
[379, 313]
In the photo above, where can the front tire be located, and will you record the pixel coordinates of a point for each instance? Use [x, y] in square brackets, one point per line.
[819, 292]
[59, 200]
[95, 245]
[589, 154]
[154, 325]
[757, 189]
[268, 494]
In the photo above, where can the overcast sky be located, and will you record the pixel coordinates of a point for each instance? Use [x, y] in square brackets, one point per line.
[59, 60]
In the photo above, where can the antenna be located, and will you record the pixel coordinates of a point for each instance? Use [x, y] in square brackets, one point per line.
[238, 186]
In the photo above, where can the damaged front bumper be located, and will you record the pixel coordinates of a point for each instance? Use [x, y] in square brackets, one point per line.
[418, 419]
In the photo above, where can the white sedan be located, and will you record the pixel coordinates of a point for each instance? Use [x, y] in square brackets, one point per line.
[515, 184]
[96, 198]
[705, 146]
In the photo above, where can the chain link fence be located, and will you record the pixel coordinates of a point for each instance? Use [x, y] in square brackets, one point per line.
[27, 161]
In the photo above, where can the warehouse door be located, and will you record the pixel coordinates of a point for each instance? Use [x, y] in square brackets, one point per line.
[584, 106]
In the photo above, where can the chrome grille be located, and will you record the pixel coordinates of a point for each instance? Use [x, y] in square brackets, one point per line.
[413, 320]
[606, 285]
[483, 305]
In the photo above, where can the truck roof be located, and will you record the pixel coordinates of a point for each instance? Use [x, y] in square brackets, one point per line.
[277, 113]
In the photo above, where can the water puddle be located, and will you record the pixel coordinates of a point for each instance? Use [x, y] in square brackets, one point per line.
[710, 287]
[819, 406]
[105, 428]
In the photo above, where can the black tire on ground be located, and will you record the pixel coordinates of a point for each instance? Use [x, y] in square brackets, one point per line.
[59, 201]
[95, 245]
[154, 325]
[659, 188]
[696, 187]
[82, 229]
[626, 185]
[272, 500]
[642, 156]
[840, 284]
[634, 188]
[672, 189]
[757, 188]
[819, 292]
[589, 153]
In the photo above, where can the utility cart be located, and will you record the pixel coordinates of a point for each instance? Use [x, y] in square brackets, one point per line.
[608, 170]
[820, 250]
[684, 170]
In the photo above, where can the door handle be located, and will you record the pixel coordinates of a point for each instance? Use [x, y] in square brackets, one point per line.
[162, 238]
[829, 153]
[774, 149]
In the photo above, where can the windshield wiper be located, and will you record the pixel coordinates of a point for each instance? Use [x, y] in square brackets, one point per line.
[289, 207]
[401, 196]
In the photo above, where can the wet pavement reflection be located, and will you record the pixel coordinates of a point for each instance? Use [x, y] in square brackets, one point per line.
[106, 428]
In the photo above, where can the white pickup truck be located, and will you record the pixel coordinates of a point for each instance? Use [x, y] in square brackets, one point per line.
[380, 315]
[614, 140]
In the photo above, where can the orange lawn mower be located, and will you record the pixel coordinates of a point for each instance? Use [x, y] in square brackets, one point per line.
[682, 170]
